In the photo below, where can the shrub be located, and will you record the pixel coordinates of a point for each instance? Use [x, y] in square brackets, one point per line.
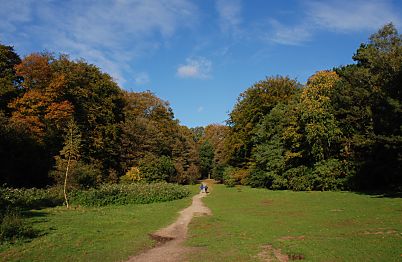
[235, 176]
[132, 175]
[298, 179]
[330, 174]
[122, 194]
[32, 198]
[156, 169]
[259, 178]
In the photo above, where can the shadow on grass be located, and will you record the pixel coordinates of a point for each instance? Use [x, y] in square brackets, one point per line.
[31, 214]
[381, 194]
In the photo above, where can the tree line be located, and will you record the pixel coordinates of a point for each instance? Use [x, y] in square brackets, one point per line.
[341, 130]
[56, 112]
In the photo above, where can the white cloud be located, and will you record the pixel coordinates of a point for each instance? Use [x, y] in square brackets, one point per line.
[342, 16]
[346, 15]
[198, 67]
[229, 15]
[200, 109]
[288, 35]
[110, 34]
[142, 78]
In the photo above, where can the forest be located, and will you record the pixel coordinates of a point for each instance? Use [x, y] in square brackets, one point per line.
[342, 130]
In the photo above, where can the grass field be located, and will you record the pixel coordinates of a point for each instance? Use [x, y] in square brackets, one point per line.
[315, 226]
[110, 233]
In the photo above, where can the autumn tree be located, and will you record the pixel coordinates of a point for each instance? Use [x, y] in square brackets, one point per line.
[98, 110]
[186, 156]
[148, 128]
[41, 107]
[53, 91]
[150, 131]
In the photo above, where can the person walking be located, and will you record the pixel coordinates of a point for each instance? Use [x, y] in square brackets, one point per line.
[202, 188]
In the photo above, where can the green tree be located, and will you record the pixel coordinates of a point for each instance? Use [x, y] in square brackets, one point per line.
[9, 81]
[370, 96]
[206, 159]
[252, 105]
[320, 127]
[216, 134]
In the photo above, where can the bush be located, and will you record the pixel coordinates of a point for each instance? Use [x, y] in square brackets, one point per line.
[32, 198]
[123, 194]
[259, 178]
[235, 176]
[298, 179]
[157, 169]
[132, 176]
[331, 174]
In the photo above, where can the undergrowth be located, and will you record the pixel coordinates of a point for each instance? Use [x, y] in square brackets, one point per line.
[122, 194]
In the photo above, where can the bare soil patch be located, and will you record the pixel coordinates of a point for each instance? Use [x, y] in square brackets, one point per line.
[267, 202]
[270, 254]
[291, 238]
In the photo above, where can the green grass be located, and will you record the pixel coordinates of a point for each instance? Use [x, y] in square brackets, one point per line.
[320, 226]
[111, 233]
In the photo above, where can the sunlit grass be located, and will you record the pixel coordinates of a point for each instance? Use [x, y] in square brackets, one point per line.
[110, 233]
[319, 226]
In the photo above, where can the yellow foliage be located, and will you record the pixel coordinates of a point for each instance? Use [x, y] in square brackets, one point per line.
[290, 155]
[319, 85]
[132, 175]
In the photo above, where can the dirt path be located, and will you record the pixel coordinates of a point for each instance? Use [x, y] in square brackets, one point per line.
[172, 237]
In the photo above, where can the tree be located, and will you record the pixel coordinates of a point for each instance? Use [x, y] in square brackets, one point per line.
[297, 144]
[206, 159]
[252, 105]
[148, 128]
[9, 81]
[70, 153]
[321, 129]
[368, 104]
[198, 132]
[216, 134]
[23, 161]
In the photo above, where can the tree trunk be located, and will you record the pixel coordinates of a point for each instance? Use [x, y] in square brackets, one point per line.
[65, 182]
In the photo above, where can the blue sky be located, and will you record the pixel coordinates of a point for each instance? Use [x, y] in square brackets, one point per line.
[197, 54]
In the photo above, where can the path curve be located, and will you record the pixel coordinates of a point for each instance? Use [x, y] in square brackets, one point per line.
[172, 237]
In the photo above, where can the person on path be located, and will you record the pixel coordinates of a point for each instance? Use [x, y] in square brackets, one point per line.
[202, 188]
[206, 188]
